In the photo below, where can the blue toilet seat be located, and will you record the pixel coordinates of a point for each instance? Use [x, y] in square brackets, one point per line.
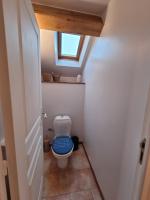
[62, 145]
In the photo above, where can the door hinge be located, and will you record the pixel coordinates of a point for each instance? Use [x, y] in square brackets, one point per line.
[4, 168]
[142, 150]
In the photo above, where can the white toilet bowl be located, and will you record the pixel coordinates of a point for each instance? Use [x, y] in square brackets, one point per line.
[62, 160]
[62, 145]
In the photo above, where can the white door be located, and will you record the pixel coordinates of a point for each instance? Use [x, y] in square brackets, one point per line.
[144, 147]
[20, 84]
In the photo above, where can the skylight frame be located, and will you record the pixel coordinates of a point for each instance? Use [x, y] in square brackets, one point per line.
[80, 46]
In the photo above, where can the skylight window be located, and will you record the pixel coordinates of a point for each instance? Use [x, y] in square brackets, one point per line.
[69, 46]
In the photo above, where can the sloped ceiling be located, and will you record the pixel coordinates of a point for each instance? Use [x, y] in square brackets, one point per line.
[95, 7]
[47, 48]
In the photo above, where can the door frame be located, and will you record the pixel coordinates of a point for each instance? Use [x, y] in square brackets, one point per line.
[141, 169]
[3, 173]
[145, 184]
[5, 98]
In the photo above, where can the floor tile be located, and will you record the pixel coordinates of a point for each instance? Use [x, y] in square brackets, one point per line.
[67, 181]
[82, 195]
[73, 183]
[60, 197]
[78, 160]
[96, 194]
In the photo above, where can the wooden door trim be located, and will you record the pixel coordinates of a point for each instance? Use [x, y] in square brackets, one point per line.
[5, 98]
[3, 194]
[146, 185]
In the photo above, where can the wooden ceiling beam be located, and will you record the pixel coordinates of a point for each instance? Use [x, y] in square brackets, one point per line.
[61, 20]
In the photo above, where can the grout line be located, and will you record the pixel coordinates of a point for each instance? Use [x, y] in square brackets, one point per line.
[49, 196]
[92, 195]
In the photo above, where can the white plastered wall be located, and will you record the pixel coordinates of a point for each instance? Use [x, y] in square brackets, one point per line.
[117, 78]
[68, 99]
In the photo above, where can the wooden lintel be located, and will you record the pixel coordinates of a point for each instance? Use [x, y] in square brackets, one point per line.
[67, 21]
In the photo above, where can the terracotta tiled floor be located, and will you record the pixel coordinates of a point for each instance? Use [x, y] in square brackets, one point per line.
[76, 182]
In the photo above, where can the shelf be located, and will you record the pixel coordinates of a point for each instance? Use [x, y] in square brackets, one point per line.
[82, 83]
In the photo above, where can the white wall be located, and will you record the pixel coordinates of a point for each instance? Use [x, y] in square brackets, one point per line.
[64, 99]
[117, 78]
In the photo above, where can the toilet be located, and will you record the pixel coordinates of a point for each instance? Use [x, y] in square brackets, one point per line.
[62, 144]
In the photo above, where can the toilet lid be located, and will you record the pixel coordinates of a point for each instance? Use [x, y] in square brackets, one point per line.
[62, 145]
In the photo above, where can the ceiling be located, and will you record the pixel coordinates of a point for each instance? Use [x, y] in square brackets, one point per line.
[95, 7]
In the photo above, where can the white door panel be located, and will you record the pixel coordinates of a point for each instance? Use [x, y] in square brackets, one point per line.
[37, 181]
[32, 87]
[21, 99]
[30, 48]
